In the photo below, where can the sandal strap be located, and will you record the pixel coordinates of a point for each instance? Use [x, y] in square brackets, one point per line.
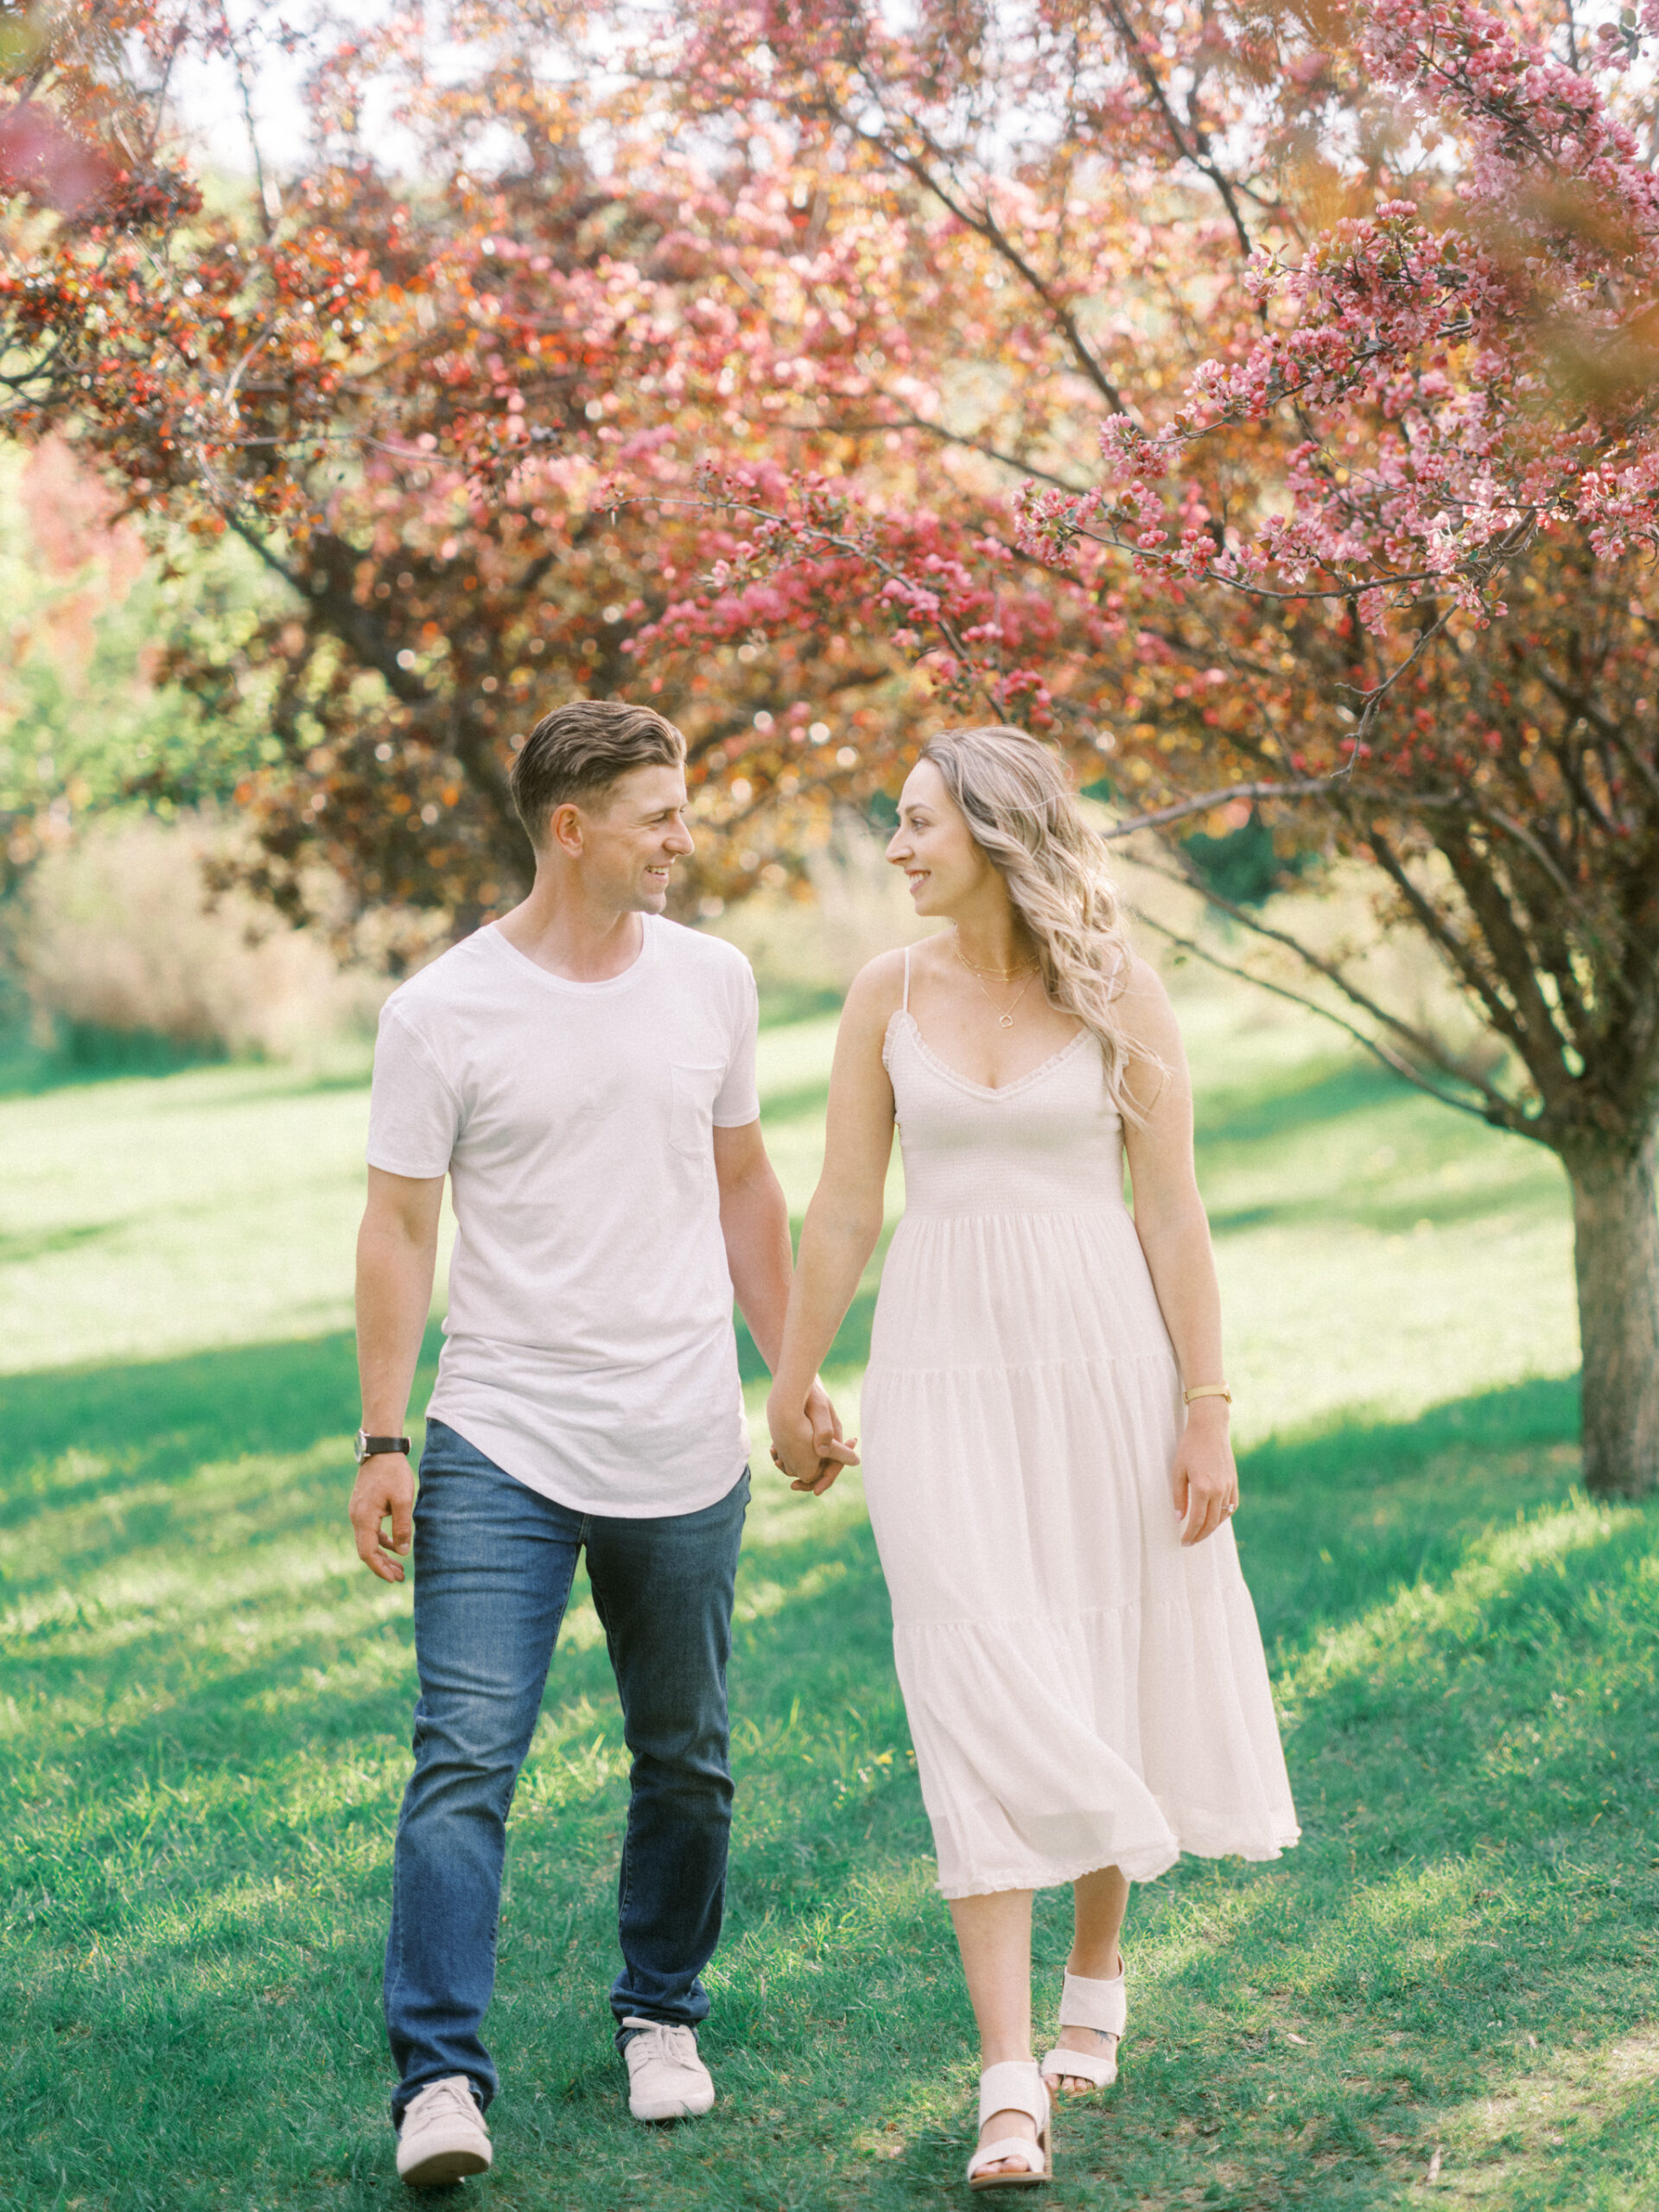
[1102, 2006]
[1029, 2154]
[1099, 2067]
[1013, 2085]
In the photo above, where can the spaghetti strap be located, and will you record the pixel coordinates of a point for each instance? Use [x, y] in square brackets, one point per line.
[907, 997]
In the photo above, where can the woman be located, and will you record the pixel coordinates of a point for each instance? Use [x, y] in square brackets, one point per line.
[1079, 1657]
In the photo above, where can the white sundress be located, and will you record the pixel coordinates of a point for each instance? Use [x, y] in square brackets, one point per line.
[1082, 1691]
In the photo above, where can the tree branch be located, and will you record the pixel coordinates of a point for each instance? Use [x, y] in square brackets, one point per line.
[1394, 1061]
[1445, 939]
[1513, 956]
[1198, 153]
[1415, 1037]
[910, 421]
[1186, 808]
[1605, 727]
[985, 225]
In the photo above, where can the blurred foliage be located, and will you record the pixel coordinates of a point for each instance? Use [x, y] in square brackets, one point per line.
[1244, 866]
[87, 726]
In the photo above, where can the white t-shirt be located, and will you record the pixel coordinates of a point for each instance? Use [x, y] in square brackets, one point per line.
[588, 1349]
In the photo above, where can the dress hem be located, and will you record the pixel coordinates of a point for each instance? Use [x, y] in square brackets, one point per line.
[1147, 1868]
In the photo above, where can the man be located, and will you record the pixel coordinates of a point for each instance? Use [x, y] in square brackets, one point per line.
[583, 1070]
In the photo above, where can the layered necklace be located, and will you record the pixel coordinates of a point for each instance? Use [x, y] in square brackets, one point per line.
[1003, 976]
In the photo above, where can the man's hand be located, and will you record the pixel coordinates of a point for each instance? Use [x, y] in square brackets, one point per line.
[384, 1489]
[807, 1444]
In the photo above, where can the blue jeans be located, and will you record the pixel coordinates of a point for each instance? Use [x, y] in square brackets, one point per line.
[494, 1566]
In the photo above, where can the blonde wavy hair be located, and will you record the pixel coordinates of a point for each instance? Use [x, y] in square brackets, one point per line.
[1022, 814]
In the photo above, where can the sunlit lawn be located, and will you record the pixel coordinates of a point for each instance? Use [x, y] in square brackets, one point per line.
[1445, 1995]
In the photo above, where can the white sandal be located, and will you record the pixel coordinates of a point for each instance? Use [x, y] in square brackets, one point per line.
[1102, 2006]
[1012, 2085]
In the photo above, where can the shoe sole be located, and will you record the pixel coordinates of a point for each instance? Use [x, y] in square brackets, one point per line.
[444, 2166]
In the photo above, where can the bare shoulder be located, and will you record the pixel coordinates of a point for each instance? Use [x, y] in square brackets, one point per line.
[875, 996]
[878, 989]
[1143, 989]
[1143, 1007]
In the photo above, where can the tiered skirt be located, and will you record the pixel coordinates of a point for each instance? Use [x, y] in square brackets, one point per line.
[1082, 1691]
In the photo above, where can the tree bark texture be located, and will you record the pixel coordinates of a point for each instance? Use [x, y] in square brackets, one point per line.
[1616, 1253]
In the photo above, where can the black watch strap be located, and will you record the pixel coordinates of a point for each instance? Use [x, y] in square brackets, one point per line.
[371, 1448]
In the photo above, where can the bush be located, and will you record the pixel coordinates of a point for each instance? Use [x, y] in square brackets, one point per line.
[1244, 866]
[117, 937]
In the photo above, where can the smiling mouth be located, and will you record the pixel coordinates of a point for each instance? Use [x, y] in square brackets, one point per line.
[917, 876]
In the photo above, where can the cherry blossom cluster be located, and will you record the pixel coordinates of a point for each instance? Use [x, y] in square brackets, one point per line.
[802, 551]
[1499, 364]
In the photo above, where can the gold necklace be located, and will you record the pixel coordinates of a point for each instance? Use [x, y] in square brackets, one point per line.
[1003, 1021]
[1002, 974]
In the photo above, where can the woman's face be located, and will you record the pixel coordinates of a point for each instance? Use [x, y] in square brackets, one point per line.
[944, 865]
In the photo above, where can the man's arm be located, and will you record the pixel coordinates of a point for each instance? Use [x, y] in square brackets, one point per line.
[754, 1221]
[397, 1254]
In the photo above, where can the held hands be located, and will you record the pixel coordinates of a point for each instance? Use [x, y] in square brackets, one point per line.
[384, 1488]
[806, 1440]
[1203, 1478]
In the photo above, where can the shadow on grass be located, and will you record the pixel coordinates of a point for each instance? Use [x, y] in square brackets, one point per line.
[1384, 1216]
[1303, 2034]
[1282, 1104]
[193, 1461]
[74, 1434]
[1334, 1517]
[1543, 1409]
[209, 1819]
[83, 1053]
[17, 1251]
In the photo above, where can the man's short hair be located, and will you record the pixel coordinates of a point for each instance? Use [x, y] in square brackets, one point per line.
[581, 749]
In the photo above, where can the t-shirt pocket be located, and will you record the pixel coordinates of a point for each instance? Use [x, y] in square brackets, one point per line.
[692, 1117]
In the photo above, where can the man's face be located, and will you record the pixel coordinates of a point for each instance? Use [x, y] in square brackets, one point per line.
[631, 838]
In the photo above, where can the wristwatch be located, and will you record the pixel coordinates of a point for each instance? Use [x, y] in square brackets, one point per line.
[370, 1448]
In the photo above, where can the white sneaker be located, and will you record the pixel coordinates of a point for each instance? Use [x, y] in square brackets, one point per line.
[666, 2078]
[443, 2135]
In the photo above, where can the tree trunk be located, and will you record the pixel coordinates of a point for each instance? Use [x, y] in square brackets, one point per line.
[1616, 1255]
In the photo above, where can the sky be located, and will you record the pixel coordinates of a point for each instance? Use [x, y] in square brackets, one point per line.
[208, 97]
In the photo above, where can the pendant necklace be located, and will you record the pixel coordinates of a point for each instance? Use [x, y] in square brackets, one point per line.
[1007, 975]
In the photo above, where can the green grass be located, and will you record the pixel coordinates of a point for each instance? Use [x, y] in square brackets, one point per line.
[206, 1709]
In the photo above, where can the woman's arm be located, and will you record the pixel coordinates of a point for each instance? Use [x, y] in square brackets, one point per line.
[754, 1221]
[1174, 1233]
[843, 1223]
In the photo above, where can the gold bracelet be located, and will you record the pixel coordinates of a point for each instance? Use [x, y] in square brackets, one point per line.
[1207, 1390]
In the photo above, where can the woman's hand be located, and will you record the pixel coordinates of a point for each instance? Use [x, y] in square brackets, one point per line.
[806, 1440]
[1203, 1478]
